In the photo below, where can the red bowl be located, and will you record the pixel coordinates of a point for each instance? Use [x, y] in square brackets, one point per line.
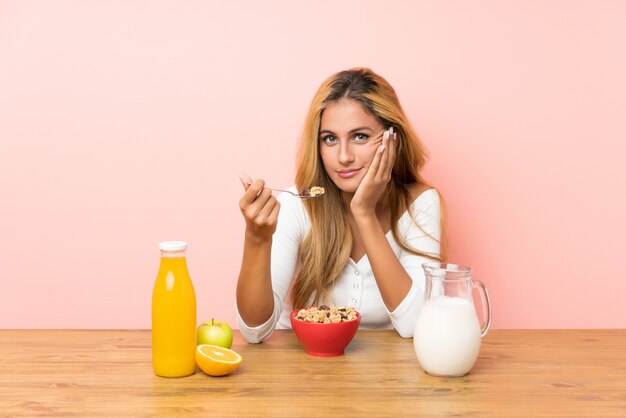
[324, 340]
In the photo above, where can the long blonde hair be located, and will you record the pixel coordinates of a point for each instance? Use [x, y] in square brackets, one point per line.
[326, 248]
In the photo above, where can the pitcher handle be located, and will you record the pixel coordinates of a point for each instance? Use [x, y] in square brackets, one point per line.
[486, 306]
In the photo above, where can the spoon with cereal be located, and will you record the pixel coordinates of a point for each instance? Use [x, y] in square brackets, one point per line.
[315, 191]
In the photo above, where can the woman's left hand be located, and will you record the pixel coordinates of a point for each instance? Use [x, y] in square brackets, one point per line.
[377, 177]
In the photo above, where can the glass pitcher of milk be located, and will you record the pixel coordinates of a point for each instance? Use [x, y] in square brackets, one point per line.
[447, 333]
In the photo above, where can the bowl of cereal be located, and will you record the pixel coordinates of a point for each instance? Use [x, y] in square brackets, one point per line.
[325, 331]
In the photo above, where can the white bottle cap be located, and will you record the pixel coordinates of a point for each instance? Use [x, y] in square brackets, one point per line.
[173, 246]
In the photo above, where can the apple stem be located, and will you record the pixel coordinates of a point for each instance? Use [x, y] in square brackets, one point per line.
[212, 321]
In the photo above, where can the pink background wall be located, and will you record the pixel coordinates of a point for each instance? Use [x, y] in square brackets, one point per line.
[125, 123]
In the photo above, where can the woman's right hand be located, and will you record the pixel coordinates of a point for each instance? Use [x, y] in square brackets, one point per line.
[259, 208]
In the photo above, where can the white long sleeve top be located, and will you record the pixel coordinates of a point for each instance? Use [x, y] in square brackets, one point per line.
[356, 286]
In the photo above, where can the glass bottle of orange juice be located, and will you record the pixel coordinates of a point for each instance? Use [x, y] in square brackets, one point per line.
[173, 314]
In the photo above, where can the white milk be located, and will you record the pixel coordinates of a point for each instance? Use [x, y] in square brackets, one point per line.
[447, 336]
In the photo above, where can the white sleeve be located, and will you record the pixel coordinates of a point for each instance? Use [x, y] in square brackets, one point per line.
[427, 213]
[286, 240]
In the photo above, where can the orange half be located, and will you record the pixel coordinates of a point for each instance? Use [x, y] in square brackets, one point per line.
[216, 361]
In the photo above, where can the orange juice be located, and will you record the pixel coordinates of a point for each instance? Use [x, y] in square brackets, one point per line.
[173, 314]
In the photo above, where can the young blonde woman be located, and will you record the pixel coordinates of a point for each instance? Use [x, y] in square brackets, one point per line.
[363, 242]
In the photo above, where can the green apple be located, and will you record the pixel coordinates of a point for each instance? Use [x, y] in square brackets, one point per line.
[215, 332]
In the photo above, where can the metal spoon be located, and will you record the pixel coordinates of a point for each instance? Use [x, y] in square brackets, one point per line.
[304, 194]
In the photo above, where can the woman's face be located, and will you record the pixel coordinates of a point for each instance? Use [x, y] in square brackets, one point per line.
[349, 138]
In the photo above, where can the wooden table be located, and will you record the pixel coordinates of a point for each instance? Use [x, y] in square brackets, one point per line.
[520, 373]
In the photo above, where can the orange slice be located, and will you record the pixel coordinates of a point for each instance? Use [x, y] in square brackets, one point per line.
[216, 361]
